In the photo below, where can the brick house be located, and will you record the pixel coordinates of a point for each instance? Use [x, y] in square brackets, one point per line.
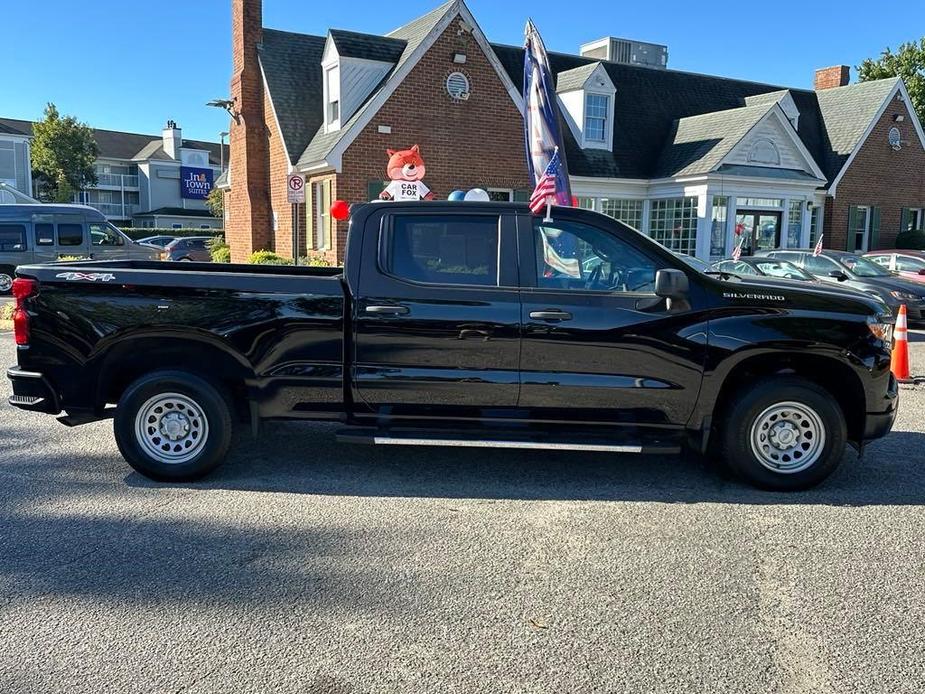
[693, 160]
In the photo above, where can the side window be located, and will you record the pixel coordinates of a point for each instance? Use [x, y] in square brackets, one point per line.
[12, 238]
[883, 260]
[818, 265]
[908, 264]
[198, 243]
[105, 235]
[70, 234]
[44, 234]
[444, 250]
[571, 255]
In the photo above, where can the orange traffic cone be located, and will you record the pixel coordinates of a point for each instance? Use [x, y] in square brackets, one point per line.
[899, 361]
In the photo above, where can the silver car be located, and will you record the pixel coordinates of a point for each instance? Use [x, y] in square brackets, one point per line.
[45, 233]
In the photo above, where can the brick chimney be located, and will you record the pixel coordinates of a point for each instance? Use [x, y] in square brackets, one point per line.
[249, 220]
[830, 77]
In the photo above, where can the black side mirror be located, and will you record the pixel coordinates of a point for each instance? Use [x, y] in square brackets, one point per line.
[838, 275]
[922, 271]
[671, 284]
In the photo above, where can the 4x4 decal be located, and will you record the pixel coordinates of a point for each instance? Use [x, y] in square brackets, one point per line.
[86, 276]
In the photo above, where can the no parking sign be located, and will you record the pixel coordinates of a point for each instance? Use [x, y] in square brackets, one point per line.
[295, 187]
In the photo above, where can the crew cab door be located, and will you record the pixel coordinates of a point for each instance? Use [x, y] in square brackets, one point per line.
[598, 344]
[436, 317]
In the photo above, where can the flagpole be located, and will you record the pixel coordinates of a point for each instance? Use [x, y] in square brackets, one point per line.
[548, 218]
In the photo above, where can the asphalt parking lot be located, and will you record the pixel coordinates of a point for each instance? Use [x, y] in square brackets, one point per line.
[308, 566]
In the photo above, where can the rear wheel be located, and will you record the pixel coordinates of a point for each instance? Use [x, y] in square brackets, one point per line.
[7, 274]
[173, 426]
[784, 434]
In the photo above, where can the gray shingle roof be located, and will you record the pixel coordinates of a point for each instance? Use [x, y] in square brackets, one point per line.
[413, 34]
[351, 44]
[575, 78]
[846, 112]
[292, 65]
[650, 115]
[697, 144]
[114, 144]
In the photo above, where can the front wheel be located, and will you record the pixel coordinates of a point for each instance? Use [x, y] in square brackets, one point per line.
[784, 434]
[173, 426]
[6, 280]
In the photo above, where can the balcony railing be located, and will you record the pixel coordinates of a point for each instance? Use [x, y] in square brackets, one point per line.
[114, 209]
[116, 180]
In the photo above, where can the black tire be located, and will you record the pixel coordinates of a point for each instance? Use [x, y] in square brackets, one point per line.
[7, 274]
[204, 408]
[765, 401]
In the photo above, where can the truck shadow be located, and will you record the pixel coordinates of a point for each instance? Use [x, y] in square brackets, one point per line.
[305, 459]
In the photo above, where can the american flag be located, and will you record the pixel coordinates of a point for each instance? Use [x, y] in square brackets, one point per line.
[546, 187]
[817, 251]
[737, 251]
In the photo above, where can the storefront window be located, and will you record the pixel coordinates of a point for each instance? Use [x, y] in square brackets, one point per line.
[586, 203]
[814, 218]
[673, 223]
[794, 223]
[625, 210]
[718, 227]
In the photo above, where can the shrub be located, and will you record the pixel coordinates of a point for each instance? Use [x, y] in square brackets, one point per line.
[220, 251]
[911, 240]
[267, 258]
[71, 258]
[6, 311]
[315, 261]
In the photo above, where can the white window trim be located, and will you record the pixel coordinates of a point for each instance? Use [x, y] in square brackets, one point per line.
[331, 125]
[866, 244]
[607, 142]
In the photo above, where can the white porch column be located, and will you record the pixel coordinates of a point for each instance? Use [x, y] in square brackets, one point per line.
[646, 214]
[704, 222]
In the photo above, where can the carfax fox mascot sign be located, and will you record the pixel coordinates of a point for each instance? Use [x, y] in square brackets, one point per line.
[406, 170]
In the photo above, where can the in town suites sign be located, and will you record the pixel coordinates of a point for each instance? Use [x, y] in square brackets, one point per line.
[195, 183]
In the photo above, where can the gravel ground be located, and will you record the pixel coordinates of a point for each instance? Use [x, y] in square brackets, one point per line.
[307, 566]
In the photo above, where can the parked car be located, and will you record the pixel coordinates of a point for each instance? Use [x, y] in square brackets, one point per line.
[188, 248]
[462, 323]
[849, 270]
[159, 241]
[908, 264]
[766, 267]
[44, 233]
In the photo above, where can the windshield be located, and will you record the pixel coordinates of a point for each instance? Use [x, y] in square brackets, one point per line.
[862, 267]
[781, 268]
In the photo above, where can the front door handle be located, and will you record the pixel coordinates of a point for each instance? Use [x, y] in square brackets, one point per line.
[551, 315]
[389, 310]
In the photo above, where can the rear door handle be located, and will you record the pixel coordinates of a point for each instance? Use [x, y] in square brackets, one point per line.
[551, 315]
[390, 310]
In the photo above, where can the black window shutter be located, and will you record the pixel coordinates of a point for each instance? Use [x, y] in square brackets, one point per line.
[873, 239]
[373, 188]
[905, 218]
[852, 222]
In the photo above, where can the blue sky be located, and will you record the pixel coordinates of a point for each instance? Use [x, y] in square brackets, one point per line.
[132, 65]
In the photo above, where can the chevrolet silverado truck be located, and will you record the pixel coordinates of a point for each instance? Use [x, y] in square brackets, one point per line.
[461, 324]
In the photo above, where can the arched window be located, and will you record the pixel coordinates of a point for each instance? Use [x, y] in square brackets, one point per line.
[764, 152]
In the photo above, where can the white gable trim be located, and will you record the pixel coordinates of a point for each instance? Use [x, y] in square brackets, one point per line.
[279, 130]
[901, 89]
[457, 9]
[778, 113]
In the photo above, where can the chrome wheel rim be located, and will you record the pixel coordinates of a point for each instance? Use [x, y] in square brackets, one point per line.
[6, 282]
[171, 428]
[788, 437]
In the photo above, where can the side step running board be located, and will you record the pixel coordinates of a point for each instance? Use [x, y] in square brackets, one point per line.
[419, 438]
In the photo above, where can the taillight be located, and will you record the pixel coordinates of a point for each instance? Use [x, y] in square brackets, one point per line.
[22, 290]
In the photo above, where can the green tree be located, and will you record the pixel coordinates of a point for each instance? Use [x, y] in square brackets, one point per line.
[216, 202]
[907, 62]
[63, 156]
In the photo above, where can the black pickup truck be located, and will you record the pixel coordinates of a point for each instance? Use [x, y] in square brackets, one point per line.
[461, 323]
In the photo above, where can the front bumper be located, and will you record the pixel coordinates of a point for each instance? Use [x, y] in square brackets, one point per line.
[32, 391]
[878, 424]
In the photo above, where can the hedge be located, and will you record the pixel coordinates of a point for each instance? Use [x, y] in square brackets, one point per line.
[911, 240]
[136, 233]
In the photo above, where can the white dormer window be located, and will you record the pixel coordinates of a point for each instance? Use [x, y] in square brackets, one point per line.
[586, 97]
[597, 112]
[332, 97]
